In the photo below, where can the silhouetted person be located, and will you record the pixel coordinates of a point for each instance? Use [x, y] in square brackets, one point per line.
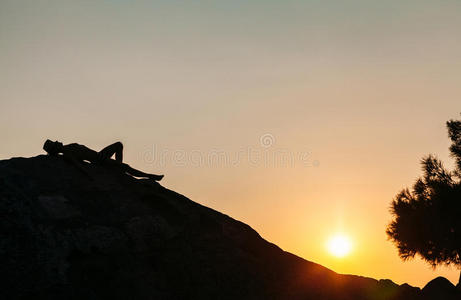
[79, 153]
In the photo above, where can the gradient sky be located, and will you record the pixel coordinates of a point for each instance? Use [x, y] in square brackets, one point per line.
[299, 118]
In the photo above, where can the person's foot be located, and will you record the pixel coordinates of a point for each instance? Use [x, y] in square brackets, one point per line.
[156, 177]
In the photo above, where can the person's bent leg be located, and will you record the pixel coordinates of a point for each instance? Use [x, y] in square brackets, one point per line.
[107, 152]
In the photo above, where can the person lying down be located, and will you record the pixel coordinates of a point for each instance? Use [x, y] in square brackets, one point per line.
[79, 153]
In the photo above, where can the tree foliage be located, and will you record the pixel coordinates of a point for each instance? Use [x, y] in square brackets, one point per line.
[427, 218]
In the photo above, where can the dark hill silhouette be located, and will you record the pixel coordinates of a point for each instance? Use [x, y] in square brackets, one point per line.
[440, 288]
[101, 234]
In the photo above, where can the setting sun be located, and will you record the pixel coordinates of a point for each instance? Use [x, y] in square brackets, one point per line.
[339, 245]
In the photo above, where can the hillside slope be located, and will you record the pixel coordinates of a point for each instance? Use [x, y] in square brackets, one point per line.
[94, 233]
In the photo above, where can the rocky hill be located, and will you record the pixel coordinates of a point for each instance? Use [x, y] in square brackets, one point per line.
[95, 233]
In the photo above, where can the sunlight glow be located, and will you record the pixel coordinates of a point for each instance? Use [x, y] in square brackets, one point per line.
[339, 245]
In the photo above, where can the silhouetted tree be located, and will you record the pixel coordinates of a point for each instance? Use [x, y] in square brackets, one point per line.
[427, 219]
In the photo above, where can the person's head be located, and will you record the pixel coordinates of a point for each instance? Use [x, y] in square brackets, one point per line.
[52, 148]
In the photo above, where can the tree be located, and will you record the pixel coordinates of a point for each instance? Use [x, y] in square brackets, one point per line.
[427, 219]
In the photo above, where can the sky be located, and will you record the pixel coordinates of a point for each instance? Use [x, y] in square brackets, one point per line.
[302, 119]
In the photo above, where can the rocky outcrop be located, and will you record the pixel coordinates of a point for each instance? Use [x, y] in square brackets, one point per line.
[94, 233]
[440, 288]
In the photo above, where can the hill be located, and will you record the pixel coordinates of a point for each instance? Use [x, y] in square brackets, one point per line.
[95, 233]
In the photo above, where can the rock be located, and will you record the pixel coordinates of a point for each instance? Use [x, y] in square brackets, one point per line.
[440, 288]
[99, 234]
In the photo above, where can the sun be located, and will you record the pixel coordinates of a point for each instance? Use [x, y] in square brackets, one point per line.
[339, 245]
